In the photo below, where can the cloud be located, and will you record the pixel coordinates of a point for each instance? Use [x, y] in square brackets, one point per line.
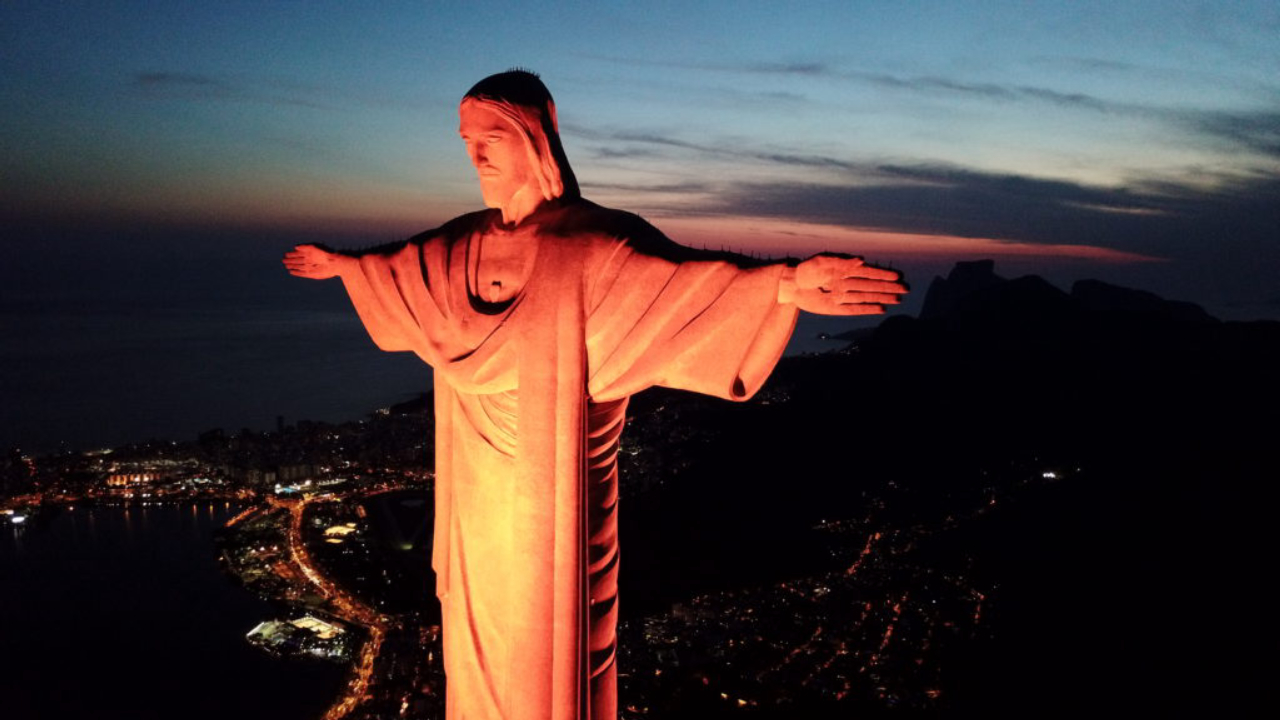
[938, 198]
[657, 141]
[1165, 220]
[1118, 209]
[196, 86]
[612, 153]
[1205, 130]
[1093, 64]
[684, 188]
[1222, 243]
[184, 86]
[938, 85]
[780, 96]
[1256, 131]
[921, 84]
[807, 69]
[168, 79]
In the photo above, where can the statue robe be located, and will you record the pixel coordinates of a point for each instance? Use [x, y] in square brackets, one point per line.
[530, 397]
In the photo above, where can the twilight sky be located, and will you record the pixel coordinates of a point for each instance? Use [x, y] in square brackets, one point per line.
[159, 157]
[1137, 142]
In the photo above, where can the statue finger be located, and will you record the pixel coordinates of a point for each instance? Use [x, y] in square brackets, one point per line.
[871, 272]
[858, 309]
[869, 285]
[871, 297]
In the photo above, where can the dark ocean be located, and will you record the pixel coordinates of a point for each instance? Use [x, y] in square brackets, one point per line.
[123, 613]
[120, 336]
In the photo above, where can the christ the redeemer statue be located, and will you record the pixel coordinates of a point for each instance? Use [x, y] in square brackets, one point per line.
[541, 317]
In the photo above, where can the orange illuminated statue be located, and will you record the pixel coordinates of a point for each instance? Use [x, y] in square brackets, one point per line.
[541, 317]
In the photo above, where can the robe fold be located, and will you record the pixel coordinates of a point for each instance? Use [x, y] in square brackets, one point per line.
[530, 398]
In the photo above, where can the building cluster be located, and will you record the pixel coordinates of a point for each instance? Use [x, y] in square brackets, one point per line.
[391, 446]
[307, 636]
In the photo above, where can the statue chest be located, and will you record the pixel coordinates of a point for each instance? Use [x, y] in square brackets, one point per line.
[500, 263]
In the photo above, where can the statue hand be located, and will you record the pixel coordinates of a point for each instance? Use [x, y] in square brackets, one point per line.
[830, 284]
[315, 262]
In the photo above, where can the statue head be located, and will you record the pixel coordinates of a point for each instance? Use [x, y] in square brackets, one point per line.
[508, 121]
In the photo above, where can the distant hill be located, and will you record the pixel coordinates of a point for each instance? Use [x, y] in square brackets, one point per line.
[973, 288]
[1134, 586]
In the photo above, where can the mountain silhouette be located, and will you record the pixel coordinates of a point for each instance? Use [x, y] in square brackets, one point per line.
[1132, 586]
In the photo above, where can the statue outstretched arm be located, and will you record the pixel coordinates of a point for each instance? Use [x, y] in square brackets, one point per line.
[318, 262]
[825, 284]
[831, 284]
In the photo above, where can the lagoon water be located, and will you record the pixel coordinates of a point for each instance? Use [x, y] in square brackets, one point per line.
[123, 613]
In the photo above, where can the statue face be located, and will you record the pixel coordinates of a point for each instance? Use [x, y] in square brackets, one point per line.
[498, 151]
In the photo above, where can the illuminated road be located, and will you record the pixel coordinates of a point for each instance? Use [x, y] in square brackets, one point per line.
[345, 606]
[242, 516]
